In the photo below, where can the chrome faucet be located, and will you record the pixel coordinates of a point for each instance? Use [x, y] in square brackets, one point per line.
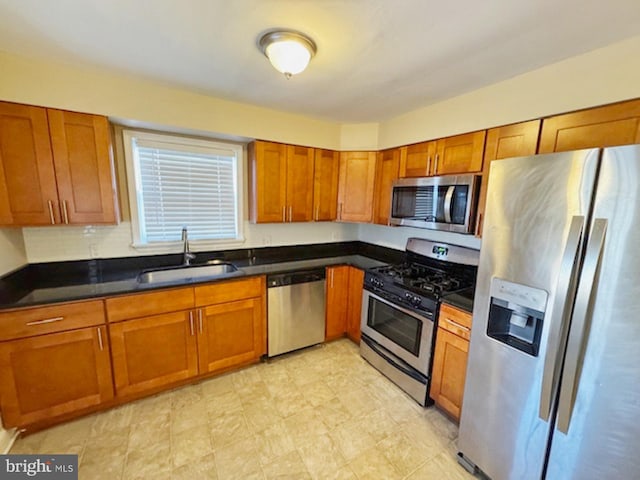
[187, 256]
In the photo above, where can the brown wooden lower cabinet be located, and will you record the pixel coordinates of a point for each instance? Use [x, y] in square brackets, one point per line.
[344, 302]
[450, 360]
[153, 351]
[55, 374]
[230, 334]
[354, 306]
[337, 283]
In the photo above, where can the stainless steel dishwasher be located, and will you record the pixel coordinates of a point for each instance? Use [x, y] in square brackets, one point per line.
[296, 305]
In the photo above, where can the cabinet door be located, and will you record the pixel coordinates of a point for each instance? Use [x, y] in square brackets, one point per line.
[230, 334]
[386, 173]
[28, 193]
[608, 126]
[354, 307]
[337, 301]
[325, 185]
[518, 140]
[356, 185]
[84, 167]
[449, 372]
[417, 160]
[153, 351]
[459, 154]
[267, 182]
[299, 184]
[55, 374]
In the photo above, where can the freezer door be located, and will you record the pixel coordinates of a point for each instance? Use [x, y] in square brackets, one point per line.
[599, 404]
[536, 210]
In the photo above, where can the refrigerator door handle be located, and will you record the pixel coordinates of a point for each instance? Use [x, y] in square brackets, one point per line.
[560, 315]
[581, 318]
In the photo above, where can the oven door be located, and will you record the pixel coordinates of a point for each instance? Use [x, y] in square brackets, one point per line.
[405, 333]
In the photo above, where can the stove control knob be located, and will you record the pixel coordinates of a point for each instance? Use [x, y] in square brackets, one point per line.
[408, 296]
[416, 300]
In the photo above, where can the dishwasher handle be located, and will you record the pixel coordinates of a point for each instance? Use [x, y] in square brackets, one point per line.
[293, 278]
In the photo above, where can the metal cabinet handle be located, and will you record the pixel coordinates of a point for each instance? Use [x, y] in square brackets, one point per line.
[435, 167]
[331, 272]
[429, 165]
[457, 325]
[65, 215]
[290, 213]
[284, 213]
[51, 217]
[317, 213]
[340, 211]
[191, 323]
[100, 338]
[46, 320]
[559, 316]
[200, 320]
[579, 322]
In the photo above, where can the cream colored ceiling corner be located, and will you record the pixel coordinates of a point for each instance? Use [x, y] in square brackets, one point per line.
[602, 76]
[376, 58]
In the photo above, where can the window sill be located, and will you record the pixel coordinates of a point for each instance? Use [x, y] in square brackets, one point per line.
[194, 246]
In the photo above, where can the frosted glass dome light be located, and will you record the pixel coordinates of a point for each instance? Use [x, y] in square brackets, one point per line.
[289, 52]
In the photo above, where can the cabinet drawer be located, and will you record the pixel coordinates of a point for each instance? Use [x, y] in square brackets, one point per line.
[146, 304]
[30, 322]
[455, 321]
[229, 291]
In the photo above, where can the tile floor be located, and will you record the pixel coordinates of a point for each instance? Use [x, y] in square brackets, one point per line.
[322, 413]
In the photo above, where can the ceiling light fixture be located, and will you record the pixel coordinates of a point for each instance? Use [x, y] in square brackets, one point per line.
[289, 52]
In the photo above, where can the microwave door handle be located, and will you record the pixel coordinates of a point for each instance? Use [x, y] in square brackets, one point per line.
[448, 201]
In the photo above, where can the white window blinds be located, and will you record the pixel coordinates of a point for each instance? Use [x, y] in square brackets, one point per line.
[185, 185]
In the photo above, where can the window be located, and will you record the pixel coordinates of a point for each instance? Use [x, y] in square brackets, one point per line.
[177, 182]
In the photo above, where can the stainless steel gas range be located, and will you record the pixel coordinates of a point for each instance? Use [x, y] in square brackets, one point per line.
[400, 310]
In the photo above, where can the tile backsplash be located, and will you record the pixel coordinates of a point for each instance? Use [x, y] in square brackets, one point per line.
[52, 244]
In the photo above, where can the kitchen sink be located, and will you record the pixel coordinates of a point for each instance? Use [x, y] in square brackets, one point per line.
[190, 272]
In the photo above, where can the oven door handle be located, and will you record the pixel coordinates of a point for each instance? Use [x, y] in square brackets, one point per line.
[420, 314]
[393, 362]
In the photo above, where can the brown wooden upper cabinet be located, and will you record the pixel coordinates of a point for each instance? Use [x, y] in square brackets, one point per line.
[356, 186]
[607, 126]
[457, 154]
[517, 140]
[417, 160]
[56, 167]
[325, 184]
[281, 182]
[387, 171]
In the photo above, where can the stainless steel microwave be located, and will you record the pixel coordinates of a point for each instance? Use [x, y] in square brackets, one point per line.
[438, 203]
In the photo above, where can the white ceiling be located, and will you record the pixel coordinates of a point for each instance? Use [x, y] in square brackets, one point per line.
[376, 58]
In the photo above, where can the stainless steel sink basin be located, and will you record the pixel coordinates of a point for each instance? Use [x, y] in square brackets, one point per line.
[190, 272]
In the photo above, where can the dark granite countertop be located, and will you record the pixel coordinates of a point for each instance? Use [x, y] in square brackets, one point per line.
[47, 283]
[462, 299]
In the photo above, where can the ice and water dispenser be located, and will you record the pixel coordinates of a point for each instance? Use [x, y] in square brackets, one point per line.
[516, 314]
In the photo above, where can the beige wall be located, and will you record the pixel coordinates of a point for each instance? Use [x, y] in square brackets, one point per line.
[12, 250]
[602, 76]
[39, 82]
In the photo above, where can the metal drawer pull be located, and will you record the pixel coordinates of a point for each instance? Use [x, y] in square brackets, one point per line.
[191, 323]
[457, 325]
[100, 338]
[46, 320]
[51, 217]
[200, 320]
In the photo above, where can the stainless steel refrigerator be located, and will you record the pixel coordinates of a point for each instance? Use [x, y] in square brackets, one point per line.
[553, 376]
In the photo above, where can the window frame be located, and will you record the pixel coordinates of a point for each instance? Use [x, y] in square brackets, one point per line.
[180, 142]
